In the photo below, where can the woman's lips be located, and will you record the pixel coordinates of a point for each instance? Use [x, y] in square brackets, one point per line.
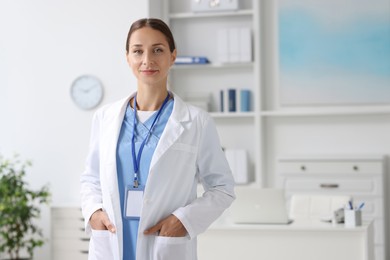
[148, 72]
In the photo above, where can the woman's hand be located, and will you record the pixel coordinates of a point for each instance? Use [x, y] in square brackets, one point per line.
[100, 221]
[168, 227]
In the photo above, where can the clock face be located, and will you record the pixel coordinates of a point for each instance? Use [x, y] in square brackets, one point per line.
[86, 91]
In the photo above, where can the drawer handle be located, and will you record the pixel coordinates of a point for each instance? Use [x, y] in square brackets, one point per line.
[329, 186]
[84, 252]
[84, 239]
[355, 168]
[303, 168]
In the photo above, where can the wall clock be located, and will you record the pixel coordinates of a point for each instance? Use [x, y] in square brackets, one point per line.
[86, 91]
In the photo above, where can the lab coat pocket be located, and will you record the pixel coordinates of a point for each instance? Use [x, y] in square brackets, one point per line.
[100, 245]
[172, 248]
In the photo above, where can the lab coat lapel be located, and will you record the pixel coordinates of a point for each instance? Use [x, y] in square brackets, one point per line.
[173, 129]
[113, 121]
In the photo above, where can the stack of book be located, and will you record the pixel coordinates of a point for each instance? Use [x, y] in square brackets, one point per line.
[235, 100]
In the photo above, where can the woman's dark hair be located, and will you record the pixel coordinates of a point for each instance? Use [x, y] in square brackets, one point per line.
[155, 24]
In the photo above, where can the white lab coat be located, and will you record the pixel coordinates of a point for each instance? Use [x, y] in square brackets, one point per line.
[188, 151]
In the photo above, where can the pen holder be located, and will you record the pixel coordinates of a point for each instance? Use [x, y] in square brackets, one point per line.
[352, 218]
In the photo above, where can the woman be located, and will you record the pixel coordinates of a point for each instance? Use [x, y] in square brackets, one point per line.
[147, 154]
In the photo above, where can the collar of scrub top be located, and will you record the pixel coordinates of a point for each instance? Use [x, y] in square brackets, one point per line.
[137, 158]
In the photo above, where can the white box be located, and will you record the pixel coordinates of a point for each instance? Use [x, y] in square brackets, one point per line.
[223, 45]
[245, 45]
[234, 45]
[213, 5]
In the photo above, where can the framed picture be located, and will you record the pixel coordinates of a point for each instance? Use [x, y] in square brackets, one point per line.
[334, 52]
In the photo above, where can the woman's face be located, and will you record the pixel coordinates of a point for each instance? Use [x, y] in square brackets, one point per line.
[149, 56]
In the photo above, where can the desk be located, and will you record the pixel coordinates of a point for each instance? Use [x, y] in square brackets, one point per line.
[296, 241]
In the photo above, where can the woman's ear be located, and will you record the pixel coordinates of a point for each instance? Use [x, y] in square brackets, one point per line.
[173, 56]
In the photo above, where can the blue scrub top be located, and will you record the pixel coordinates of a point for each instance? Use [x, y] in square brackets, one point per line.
[124, 163]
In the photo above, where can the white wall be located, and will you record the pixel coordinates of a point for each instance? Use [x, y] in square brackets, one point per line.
[44, 46]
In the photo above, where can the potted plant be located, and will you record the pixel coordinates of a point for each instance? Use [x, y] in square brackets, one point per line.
[19, 207]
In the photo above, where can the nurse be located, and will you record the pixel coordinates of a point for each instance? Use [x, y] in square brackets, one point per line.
[147, 154]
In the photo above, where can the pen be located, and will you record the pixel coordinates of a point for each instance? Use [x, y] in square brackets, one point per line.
[350, 205]
[361, 206]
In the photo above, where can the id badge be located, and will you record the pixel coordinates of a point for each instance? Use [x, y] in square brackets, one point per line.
[133, 202]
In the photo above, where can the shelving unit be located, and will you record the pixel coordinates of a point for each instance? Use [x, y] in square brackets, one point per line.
[196, 35]
[334, 111]
[270, 129]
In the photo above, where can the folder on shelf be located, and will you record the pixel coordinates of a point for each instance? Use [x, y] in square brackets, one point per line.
[191, 60]
[232, 100]
[245, 97]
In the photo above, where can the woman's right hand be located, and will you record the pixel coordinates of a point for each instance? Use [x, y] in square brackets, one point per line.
[100, 221]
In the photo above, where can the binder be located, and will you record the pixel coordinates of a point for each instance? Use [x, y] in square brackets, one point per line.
[191, 60]
[232, 100]
[245, 97]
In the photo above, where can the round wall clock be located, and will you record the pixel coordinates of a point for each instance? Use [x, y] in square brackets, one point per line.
[86, 91]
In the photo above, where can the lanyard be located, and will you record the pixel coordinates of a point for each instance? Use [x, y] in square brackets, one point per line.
[137, 159]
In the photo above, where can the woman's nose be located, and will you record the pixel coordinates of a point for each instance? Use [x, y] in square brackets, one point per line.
[148, 59]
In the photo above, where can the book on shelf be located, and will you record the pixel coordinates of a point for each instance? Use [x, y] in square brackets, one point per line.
[234, 100]
[191, 60]
[245, 100]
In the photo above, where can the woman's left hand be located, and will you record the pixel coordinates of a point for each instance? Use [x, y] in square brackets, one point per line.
[168, 227]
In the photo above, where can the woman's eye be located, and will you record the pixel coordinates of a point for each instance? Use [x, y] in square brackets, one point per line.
[158, 50]
[137, 51]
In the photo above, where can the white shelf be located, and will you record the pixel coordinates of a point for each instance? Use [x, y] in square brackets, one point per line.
[213, 66]
[345, 111]
[210, 14]
[232, 114]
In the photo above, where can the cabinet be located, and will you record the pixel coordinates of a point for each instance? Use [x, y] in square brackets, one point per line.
[303, 241]
[68, 239]
[359, 177]
[196, 34]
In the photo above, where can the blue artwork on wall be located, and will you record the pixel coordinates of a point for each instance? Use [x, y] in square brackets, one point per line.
[334, 52]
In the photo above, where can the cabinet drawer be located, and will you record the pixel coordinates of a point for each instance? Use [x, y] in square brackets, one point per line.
[68, 233]
[68, 223]
[329, 167]
[66, 212]
[67, 255]
[73, 245]
[365, 186]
